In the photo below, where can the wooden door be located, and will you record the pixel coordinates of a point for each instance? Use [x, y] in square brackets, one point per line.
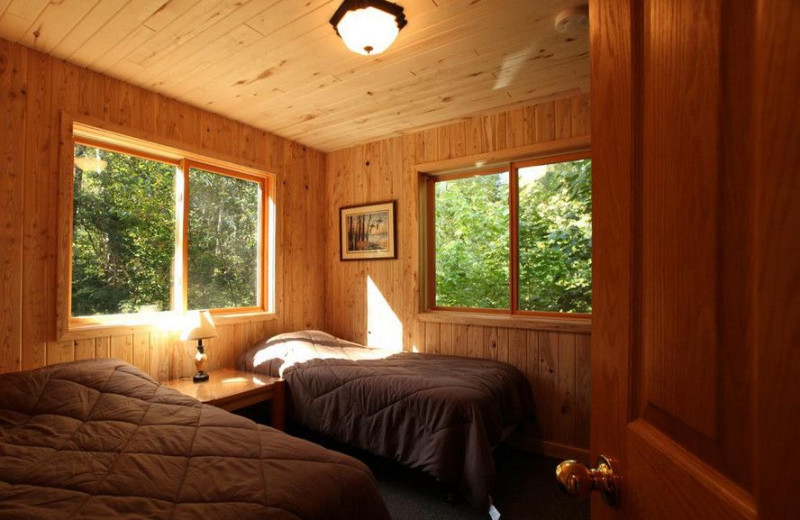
[696, 319]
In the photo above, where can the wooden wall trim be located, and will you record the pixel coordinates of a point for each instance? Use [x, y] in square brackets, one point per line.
[552, 449]
[518, 154]
[576, 325]
[137, 138]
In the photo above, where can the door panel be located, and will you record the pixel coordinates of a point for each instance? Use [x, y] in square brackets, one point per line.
[682, 171]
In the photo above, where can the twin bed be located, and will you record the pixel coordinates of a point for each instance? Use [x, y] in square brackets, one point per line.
[441, 414]
[101, 439]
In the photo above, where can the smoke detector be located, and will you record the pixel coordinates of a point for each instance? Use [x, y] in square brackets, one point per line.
[574, 19]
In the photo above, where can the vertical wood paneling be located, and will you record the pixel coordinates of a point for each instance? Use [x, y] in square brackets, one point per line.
[490, 343]
[474, 341]
[122, 348]
[160, 356]
[432, 344]
[39, 246]
[564, 419]
[546, 398]
[13, 87]
[502, 345]
[518, 349]
[532, 358]
[84, 349]
[59, 352]
[101, 347]
[34, 91]
[583, 349]
[141, 351]
[555, 363]
[545, 122]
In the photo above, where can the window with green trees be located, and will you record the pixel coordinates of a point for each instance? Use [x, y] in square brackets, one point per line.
[143, 242]
[224, 240]
[517, 238]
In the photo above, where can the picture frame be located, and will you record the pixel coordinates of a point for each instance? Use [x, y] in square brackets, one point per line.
[368, 231]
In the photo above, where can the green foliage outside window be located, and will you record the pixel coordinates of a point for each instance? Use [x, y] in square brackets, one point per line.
[555, 238]
[123, 235]
[472, 239]
[223, 241]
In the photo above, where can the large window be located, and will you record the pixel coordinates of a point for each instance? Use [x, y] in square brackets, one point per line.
[512, 239]
[154, 233]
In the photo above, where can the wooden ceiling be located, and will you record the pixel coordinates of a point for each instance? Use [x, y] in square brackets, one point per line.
[279, 66]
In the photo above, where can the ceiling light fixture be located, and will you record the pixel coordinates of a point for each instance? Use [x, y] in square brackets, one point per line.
[368, 26]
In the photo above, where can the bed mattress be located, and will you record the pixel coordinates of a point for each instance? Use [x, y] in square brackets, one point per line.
[101, 439]
[442, 414]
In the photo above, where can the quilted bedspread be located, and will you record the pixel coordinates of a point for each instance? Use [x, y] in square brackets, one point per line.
[101, 439]
[442, 414]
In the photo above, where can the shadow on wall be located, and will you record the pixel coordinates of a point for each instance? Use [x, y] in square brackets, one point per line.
[384, 328]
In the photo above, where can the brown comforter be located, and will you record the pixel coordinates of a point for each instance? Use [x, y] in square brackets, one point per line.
[101, 439]
[442, 414]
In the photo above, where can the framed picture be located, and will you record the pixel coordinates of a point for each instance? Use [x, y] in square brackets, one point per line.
[367, 232]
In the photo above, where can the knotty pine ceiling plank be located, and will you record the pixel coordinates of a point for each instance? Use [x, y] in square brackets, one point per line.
[54, 23]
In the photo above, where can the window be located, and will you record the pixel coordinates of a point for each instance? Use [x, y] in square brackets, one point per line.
[224, 240]
[153, 233]
[512, 239]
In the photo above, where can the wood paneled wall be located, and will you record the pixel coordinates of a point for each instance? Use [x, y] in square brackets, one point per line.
[34, 90]
[370, 302]
[555, 359]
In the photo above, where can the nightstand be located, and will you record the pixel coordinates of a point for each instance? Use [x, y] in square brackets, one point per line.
[231, 389]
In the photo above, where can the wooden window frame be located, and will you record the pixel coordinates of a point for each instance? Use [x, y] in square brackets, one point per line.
[512, 167]
[69, 327]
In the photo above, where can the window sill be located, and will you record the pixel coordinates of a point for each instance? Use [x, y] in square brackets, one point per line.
[509, 321]
[83, 328]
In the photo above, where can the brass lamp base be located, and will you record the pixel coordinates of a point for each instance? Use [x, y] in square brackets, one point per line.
[200, 361]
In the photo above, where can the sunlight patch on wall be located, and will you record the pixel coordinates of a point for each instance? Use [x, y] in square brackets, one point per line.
[384, 328]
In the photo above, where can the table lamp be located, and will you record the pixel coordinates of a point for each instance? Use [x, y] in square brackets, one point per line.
[199, 326]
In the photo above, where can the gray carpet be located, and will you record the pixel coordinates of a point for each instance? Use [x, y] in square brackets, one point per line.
[525, 488]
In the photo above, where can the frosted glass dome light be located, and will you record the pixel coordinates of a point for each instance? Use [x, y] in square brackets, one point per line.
[368, 27]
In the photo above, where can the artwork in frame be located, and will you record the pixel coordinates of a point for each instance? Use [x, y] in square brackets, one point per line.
[367, 232]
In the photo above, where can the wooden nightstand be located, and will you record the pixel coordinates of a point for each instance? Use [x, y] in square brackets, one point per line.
[231, 389]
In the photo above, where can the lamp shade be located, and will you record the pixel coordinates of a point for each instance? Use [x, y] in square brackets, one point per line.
[198, 325]
[368, 26]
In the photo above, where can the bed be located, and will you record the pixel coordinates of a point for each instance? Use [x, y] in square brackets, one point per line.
[101, 439]
[441, 414]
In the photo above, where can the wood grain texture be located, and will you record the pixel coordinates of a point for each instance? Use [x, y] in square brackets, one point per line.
[553, 354]
[612, 232]
[13, 116]
[777, 246]
[35, 90]
[695, 232]
[677, 207]
[454, 59]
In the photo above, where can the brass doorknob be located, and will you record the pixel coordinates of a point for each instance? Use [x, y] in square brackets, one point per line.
[579, 481]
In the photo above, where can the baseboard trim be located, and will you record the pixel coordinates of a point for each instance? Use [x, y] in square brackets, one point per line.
[550, 448]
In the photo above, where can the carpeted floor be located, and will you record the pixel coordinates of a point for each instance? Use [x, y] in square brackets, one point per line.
[525, 489]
